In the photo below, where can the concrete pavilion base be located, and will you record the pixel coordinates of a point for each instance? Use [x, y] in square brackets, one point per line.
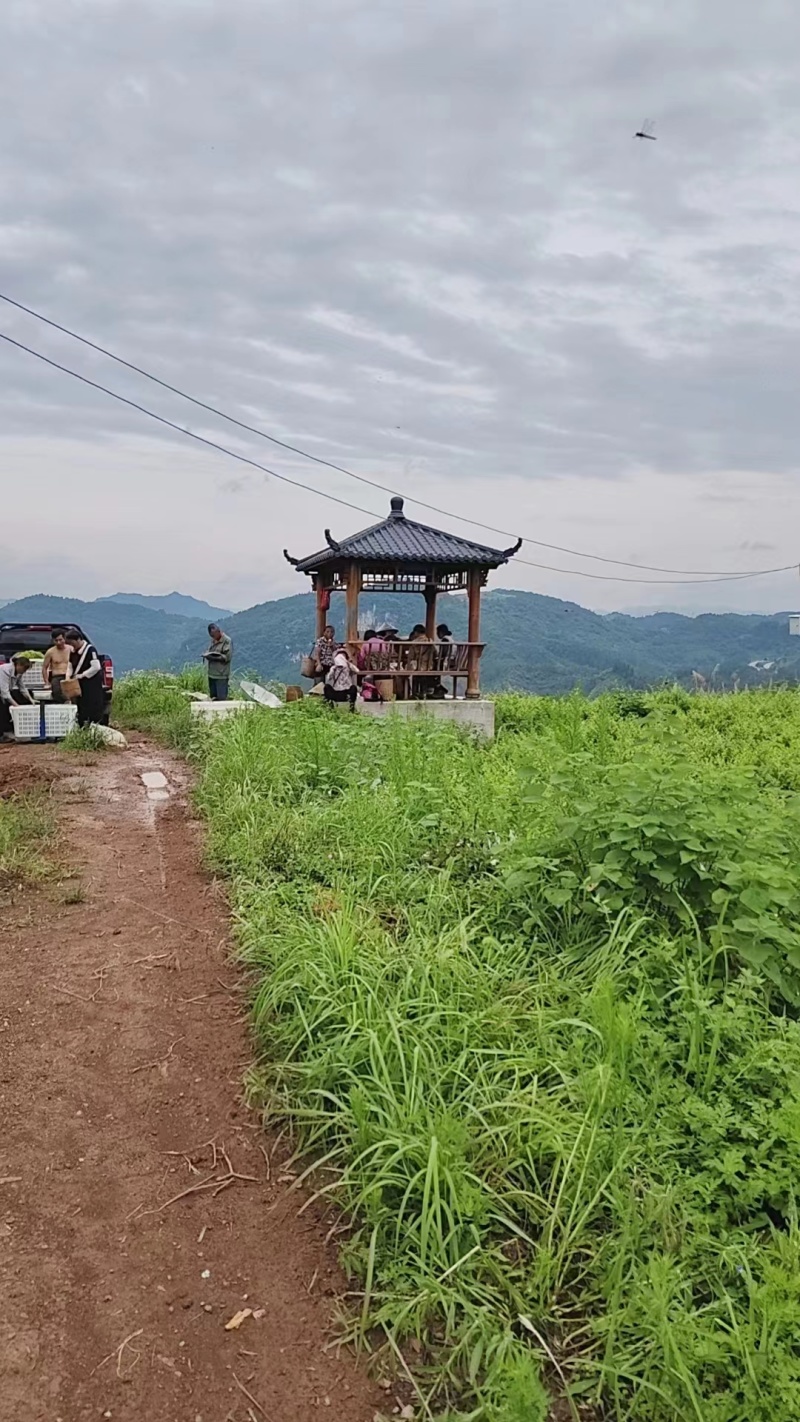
[476, 716]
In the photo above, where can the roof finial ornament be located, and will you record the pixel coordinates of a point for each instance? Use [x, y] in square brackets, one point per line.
[331, 542]
[397, 507]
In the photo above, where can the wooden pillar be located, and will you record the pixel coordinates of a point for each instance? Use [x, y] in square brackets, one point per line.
[351, 603]
[473, 632]
[430, 610]
[322, 612]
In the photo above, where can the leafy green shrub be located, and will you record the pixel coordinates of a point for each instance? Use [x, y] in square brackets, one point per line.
[715, 852]
[629, 703]
[517, 712]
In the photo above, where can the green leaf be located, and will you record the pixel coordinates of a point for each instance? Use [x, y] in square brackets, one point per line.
[755, 899]
[755, 953]
[558, 897]
[664, 876]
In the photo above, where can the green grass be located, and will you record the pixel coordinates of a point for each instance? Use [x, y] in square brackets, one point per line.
[26, 825]
[155, 702]
[531, 1012]
[81, 739]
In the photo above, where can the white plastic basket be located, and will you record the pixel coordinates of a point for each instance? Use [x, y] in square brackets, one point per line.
[33, 678]
[59, 721]
[27, 723]
[43, 722]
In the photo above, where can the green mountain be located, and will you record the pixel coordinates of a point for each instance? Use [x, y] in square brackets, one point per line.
[132, 636]
[178, 603]
[535, 643]
[539, 643]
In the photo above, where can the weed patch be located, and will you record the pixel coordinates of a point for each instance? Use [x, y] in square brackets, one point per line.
[158, 704]
[82, 739]
[26, 826]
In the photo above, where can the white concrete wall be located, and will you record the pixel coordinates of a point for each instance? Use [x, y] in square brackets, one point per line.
[474, 715]
[219, 710]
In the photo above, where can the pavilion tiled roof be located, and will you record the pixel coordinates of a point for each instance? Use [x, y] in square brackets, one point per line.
[398, 540]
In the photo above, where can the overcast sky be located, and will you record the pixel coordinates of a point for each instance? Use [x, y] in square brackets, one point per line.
[422, 242]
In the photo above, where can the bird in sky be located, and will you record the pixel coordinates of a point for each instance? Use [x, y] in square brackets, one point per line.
[644, 131]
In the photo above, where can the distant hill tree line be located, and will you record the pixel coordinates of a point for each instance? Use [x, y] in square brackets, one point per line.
[535, 643]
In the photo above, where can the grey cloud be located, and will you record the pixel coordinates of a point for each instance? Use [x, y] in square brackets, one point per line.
[423, 234]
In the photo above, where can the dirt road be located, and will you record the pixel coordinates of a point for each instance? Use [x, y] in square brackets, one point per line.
[121, 1056]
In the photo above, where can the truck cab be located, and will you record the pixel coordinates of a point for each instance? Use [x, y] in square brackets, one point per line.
[17, 637]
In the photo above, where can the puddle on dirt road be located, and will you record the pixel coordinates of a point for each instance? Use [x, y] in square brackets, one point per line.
[133, 788]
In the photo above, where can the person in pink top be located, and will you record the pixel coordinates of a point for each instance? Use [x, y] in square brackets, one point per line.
[371, 643]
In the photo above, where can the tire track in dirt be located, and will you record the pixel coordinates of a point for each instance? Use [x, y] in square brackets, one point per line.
[121, 1058]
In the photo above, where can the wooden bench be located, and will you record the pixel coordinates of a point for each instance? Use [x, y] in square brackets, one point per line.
[406, 663]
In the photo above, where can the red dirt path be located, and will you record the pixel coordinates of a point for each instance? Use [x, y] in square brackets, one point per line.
[121, 1043]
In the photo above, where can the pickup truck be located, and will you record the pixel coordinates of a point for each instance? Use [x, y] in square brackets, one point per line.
[18, 637]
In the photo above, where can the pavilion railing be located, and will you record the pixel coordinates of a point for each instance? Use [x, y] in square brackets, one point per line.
[418, 659]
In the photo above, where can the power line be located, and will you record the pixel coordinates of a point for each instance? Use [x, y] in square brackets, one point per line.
[373, 483]
[297, 484]
[182, 429]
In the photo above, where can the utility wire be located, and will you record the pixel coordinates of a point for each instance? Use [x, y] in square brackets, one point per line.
[182, 429]
[362, 479]
[297, 484]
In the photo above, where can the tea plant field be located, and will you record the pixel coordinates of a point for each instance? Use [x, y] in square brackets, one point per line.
[530, 1011]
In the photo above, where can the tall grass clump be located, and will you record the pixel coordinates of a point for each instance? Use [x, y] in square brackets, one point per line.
[156, 702]
[26, 825]
[531, 1012]
[82, 739]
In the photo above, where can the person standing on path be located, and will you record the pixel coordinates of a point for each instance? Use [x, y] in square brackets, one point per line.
[55, 666]
[219, 657]
[87, 670]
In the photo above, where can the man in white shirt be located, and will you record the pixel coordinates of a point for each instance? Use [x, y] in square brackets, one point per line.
[12, 692]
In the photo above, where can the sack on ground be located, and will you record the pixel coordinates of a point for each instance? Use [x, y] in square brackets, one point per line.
[70, 688]
[308, 666]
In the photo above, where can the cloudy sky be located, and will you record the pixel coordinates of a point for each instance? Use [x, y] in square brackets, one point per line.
[421, 242]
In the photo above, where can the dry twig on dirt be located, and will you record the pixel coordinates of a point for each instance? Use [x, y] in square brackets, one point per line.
[117, 1352]
[155, 958]
[252, 1399]
[162, 1061]
[215, 1182]
[196, 1150]
[99, 973]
